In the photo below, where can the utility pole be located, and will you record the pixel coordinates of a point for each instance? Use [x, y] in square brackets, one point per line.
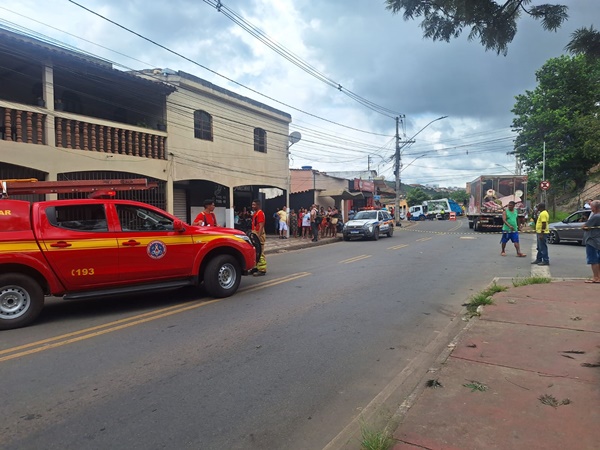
[397, 173]
[398, 163]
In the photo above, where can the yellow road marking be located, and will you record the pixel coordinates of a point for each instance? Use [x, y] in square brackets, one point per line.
[99, 330]
[276, 281]
[458, 225]
[354, 259]
[87, 330]
[424, 239]
[397, 247]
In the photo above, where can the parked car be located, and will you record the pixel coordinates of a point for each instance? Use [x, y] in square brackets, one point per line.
[369, 224]
[570, 228]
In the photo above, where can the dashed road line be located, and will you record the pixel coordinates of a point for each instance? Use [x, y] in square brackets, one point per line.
[355, 259]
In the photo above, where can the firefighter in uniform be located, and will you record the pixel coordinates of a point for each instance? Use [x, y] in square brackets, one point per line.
[258, 228]
[207, 217]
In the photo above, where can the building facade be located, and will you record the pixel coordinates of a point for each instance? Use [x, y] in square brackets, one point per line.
[65, 115]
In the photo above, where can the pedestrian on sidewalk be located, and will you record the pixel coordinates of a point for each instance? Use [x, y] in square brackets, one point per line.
[510, 229]
[306, 225]
[591, 239]
[283, 222]
[315, 222]
[293, 223]
[258, 228]
[542, 230]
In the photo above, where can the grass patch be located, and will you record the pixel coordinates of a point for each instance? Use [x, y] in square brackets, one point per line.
[483, 298]
[476, 386]
[530, 280]
[375, 440]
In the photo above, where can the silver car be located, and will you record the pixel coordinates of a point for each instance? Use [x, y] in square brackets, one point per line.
[369, 224]
[570, 228]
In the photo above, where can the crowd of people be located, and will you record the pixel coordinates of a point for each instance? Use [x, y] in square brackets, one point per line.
[307, 223]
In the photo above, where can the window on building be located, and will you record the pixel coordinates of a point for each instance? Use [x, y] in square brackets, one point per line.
[203, 125]
[260, 140]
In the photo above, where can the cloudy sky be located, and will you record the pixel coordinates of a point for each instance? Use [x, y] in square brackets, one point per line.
[357, 44]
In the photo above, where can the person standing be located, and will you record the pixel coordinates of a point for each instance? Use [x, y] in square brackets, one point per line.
[283, 220]
[305, 225]
[258, 228]
[591, 239]
[510, 229]
[314, 222]
[542, 230]
[207, 217]
[293, 223]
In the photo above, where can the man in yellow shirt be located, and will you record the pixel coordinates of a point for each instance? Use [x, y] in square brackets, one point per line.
[542, 230]
[283, 221]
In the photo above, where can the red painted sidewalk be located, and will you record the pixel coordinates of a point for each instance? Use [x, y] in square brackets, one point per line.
[534, 342]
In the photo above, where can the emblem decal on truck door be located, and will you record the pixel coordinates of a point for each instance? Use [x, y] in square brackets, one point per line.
[156, 249]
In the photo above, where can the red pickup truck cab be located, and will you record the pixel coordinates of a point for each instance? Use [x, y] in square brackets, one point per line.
[97, 247]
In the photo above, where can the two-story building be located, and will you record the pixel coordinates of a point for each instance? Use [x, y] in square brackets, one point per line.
[67, 115]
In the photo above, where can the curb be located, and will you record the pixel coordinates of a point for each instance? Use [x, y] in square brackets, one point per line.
[302, 245]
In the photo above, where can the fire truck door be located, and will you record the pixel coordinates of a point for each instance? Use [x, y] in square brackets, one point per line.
[149, 248]
[79, 246]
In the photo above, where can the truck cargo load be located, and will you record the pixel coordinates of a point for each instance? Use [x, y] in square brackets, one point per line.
[489, 195]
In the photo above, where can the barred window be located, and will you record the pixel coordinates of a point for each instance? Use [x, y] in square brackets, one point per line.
[203, 125]
[260, 140]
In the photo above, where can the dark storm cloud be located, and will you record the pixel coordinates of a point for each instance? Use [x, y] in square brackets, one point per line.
[386, 60]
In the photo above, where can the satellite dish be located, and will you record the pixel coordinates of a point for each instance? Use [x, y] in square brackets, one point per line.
[294, 137]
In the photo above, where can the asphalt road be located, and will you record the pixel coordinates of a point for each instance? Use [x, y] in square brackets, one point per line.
[288, 362]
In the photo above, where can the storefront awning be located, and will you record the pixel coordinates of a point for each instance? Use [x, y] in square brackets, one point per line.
[342, 194]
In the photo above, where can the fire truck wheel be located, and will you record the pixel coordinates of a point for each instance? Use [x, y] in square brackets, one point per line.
[21, 300]
[222, 276]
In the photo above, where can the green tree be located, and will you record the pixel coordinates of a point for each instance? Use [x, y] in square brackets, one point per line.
[562, 112]
[585, 41]
[416, 196]
[493, 23]
[460, 197]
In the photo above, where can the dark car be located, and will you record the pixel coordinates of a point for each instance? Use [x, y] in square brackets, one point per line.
[570, 228]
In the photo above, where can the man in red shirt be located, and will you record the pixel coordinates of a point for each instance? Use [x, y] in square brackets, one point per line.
[258, 228]
[207, 217]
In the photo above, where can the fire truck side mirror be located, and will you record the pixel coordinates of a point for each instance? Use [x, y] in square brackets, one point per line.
[178, 225]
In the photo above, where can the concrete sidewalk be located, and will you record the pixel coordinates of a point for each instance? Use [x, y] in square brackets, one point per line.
[525, 375]
[276, 245]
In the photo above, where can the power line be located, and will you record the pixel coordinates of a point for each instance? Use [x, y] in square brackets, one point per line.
[214, 72]
[296, 60]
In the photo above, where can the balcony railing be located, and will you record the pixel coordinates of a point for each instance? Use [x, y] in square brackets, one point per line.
[22, 126]
[95, 135]
[103, 137]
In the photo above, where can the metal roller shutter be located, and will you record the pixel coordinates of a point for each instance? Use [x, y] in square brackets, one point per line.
[180, 208]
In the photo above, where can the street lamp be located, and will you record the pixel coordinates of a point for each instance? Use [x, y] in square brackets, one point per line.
[410, 163]
[500, 165]
[398, 157]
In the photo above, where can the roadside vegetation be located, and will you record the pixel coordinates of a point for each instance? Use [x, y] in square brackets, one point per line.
[530, 280]
[375, 440]
[483, 298]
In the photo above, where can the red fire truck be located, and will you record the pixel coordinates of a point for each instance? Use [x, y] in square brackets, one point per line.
[103, 246]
